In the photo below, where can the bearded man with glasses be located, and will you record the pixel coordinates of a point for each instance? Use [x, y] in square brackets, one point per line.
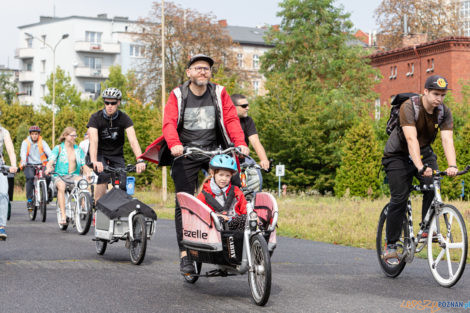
[106, 130]
[198, 114]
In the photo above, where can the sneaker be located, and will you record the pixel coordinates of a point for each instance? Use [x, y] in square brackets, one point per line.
[3, 234]
[29, 205]
[390, 254]
[186, 266]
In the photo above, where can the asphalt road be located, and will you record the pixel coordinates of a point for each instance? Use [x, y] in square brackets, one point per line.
[45, 270]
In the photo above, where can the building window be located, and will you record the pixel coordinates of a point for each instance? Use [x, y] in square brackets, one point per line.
[28, 89]
[255, 61]
[255, 87]
[411, 70]
[240, 60]
[29, 42]
[43, 38]
[28, 66]
[43, 66]
[94, 37]
[93, 63]
[393, 72]
[136, 51]
[430, 68]
[377, 109]
[43, 90]
[92, 87]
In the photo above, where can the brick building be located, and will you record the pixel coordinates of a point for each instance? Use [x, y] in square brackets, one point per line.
[406, 69]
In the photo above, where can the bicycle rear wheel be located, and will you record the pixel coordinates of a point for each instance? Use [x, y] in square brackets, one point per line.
[390, 269]
[447, 250]
[43, 200]
[9, 211]
[83, 213]
[139, 245]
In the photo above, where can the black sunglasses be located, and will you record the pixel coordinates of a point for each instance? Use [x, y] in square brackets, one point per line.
[243, 105]
[110, 102]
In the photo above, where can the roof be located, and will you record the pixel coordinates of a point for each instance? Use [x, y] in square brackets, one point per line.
[101, 17]
[247, 35]
[423, 45]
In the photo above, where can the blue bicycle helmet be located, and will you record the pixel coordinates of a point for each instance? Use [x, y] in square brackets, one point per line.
[223, 162]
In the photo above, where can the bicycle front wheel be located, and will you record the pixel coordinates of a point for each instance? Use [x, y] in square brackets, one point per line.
[259, 278]
[43, 200]
[447, 246]
[390, 269]
[83, 213]
[33, 210]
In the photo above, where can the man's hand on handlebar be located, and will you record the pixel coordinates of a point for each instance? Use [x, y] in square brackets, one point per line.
[244, 149]
[140, 167]
[425, 171]
[264, 164]
[13, 169]
[177, 150]
[98, 166]
[452, 171]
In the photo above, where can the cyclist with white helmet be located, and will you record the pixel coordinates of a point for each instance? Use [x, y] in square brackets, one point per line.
[106, 131]
[34, 150]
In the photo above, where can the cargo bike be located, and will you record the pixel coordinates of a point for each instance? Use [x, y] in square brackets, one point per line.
[119, 216]
[234, 252]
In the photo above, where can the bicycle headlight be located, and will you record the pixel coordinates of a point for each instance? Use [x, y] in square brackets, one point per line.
[253, 215]
[82, 184]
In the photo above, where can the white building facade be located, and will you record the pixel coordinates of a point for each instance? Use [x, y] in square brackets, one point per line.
[85, 48]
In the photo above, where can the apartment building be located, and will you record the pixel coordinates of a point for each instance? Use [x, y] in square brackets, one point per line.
[85, 47]
[251, 46]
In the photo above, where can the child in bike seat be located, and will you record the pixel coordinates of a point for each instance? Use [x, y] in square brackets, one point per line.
[221, 196]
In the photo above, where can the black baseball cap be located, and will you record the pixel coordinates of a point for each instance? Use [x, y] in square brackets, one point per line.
[201, 57]
[436, 82]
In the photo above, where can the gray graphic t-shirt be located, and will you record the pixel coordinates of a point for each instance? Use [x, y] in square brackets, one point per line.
[199, 121]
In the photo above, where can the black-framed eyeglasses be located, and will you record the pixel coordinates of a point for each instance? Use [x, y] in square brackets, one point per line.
[110, 102]
[243, 105]
[202, 68]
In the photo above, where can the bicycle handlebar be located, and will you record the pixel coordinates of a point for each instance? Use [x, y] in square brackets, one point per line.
[194, 150]
[444, 173]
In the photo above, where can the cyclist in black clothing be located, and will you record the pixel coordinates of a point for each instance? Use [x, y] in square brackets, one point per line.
[409, 148]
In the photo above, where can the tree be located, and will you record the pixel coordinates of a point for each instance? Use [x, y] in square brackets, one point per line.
[66, 93]
[358, 174]
[435, 18]
[8, 89]
[187, 32]
[317, 86]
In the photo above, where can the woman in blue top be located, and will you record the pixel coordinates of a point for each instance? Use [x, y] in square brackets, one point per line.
[69, 158]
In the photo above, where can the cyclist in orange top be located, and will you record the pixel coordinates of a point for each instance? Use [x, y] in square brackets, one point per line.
[34, 150]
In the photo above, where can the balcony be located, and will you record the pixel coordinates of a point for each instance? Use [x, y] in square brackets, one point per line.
[83, 71]
[102, 47]
[25, 99]
[26, 76]
[24, 53]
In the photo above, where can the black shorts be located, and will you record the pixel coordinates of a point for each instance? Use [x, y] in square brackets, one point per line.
[112, 161]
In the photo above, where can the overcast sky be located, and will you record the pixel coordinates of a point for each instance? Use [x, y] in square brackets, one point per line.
[15, 13]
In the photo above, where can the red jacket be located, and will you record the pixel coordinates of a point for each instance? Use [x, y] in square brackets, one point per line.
[240, 206]
[227, 116]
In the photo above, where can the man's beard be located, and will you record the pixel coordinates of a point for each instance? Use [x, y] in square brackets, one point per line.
[199, 83]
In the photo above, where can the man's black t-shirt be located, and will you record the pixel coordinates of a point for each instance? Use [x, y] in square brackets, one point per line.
[199, 121]
[249, 128]
[111, 132]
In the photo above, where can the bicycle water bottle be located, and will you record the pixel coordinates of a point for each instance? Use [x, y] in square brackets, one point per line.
[130, 185]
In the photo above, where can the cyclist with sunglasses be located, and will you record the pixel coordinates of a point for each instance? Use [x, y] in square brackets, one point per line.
[249, 128]
[106, 130]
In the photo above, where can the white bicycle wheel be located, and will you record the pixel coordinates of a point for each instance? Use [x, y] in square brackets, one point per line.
[447, 246]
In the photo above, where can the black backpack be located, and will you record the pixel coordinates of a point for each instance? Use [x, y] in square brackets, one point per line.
[394, 118]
